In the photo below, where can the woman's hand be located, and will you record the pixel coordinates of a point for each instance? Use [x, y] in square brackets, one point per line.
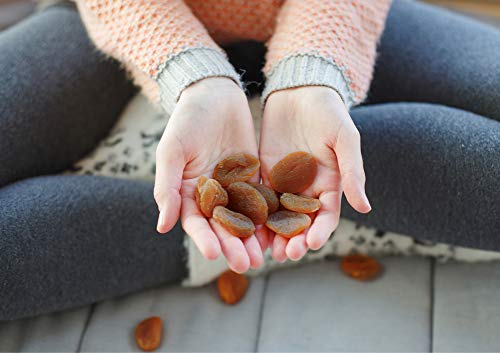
[211, 121]
[314, 119]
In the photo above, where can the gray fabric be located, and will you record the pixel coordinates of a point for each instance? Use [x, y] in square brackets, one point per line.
[466, 308]
[432, 172]
[308, 70]
[428, 54]
[187, 67]
[67, 241]
[71, 240]
[58, 95]
[414, 305]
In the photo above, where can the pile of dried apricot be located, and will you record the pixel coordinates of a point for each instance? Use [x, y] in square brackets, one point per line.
[239, 205]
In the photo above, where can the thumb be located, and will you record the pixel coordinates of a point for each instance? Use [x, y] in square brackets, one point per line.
[168, 179]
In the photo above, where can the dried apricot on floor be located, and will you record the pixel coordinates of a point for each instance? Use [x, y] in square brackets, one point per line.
[360, 267]
[302, 204]
[232, 287]
[273, 203]
[148, 333]
[288, 223]
[247, 200]
[209, 193]
[294, 173]
[236, 167]
[235, 223]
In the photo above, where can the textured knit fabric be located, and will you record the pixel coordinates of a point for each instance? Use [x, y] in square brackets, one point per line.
[158, 40]
[342, 33]
[432, 170]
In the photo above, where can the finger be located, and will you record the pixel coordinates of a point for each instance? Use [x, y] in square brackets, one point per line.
[348, 151]
[326, 221]
[196, 226]
[232, 248]
[297, 247]
[168, 178]
[254, 251]
[262, 235]
[270, 238]
[279, 248]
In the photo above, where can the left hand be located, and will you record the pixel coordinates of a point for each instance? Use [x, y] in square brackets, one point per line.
[314, 119]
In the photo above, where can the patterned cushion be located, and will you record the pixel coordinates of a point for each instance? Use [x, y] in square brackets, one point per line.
[129, 152]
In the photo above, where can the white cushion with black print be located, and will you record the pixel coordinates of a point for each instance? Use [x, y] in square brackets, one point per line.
[129, 152]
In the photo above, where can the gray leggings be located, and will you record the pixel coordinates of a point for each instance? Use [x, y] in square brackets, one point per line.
[430, 139]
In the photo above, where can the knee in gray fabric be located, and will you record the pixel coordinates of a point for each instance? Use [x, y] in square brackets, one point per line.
[432, 172]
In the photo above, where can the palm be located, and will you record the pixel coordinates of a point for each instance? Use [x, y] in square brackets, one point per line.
[316, 127]
[203, 130]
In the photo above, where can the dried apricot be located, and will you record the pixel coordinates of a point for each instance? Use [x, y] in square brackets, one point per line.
[148, 333]
[209, 193]
[273, 203]
[247, 200]
[235, 223]
[232, 287]
[302, 204]
[236, 167]
[288, 223]
[294, 173]
[360, 267]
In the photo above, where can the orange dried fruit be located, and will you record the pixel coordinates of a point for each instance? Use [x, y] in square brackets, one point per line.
[209, 193]
[235, 223]
[288, 223]
[247, 200]
[232, 287]
[273, 203]
[294, 173]
[148, 333]
[360, 267]
[236, 167]
[302, 204]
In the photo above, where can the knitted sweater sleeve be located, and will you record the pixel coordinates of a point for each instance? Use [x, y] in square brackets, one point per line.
[159, 42]
[325, 42]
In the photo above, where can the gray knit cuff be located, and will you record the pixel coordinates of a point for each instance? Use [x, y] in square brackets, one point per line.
[190, 66]
[308, 70]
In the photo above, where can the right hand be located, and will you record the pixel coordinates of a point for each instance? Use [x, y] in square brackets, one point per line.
[210, 121]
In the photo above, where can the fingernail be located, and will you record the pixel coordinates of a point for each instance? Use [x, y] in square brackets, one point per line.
[367, 202]
[161, 220]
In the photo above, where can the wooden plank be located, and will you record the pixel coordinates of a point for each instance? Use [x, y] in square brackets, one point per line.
[317, 308]
[484, 8]
[467, 307]
[58, 332]
[194, 319]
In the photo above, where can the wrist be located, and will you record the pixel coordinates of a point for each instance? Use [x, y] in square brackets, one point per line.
[211, 91]
[305, 70]
[185, 69]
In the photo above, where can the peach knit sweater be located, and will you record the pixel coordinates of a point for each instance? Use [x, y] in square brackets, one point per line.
[166, 45]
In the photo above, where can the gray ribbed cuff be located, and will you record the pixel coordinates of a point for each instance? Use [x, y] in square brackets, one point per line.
[308, 70]
[187, 67]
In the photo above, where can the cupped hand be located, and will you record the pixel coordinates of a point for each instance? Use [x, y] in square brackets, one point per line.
[211, 121]
[314, 119]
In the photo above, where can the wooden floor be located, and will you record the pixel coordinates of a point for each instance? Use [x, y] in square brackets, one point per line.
[417, 305]
[477, 7]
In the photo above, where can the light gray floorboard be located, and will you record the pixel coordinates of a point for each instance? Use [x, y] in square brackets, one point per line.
[58, 332]
[194, 320]
[467, 308]
[318, 308]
